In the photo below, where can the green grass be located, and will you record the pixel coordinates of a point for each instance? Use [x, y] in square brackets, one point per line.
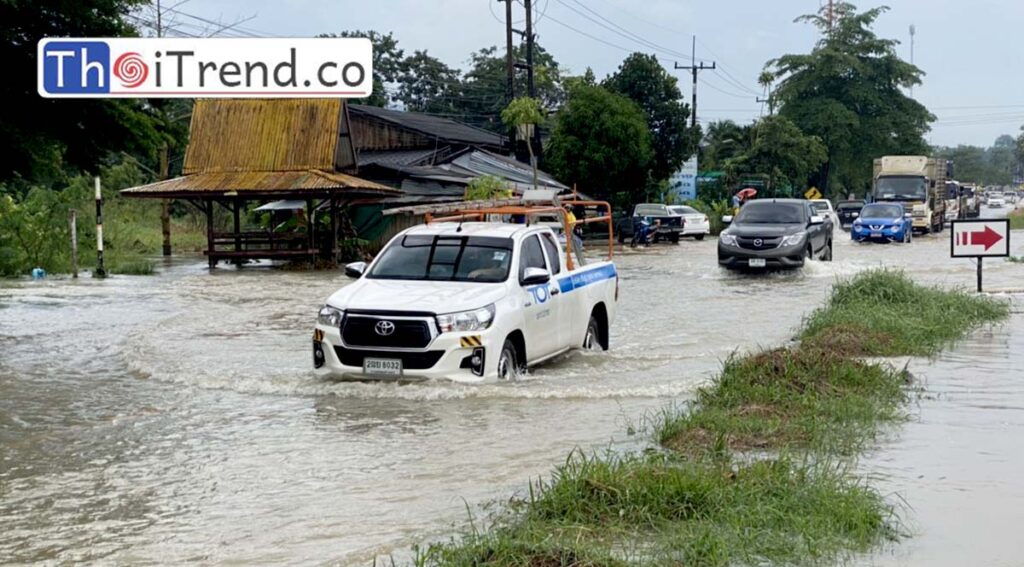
[1016, 220]
[659, 509]
[884, 313]
[753, 471]
[800, 397]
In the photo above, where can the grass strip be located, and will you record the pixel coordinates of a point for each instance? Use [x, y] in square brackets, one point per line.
[754, 471]
[1016, 220]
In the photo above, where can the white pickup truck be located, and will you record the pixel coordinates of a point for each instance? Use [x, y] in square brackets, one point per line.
[467, 302]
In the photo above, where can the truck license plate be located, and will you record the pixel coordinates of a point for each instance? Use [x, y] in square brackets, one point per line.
[382, 366]
[757, 262]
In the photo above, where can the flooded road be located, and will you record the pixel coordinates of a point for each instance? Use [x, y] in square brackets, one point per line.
[174, 418]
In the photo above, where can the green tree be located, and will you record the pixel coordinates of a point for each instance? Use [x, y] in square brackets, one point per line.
[724, 142]
[642, 79]
[487, 187]
[388, 64]
[39, 137]
[524, 115]
[601, 142]
[427, 84]
[848, 91]
[783, 153]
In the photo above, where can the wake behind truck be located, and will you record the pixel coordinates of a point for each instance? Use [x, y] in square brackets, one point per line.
[916, 182]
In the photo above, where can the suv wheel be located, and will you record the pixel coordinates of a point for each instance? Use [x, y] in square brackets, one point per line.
[826, 256]
[592, 341]
[508, 363]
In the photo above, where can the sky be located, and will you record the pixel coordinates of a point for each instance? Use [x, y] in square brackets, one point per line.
[970, 51]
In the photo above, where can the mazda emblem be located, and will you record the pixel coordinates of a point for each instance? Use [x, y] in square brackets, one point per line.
[384, 328]
[758, 242]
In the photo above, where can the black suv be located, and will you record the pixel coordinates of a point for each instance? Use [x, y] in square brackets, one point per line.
[775, 233]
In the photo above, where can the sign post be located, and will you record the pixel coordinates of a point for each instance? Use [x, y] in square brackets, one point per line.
[979, 238]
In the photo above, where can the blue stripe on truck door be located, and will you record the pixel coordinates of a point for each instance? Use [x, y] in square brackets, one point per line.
[587, 277]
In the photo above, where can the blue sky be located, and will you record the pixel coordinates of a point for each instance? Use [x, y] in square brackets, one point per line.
[971, 51]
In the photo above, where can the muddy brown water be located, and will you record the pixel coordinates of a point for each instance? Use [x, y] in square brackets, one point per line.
[174, 418]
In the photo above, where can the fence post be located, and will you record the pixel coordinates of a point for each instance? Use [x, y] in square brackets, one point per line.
[72, 218]
[99, 272]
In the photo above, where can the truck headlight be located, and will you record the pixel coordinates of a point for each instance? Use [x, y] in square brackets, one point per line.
[329, 316]
[474, 320]
[727, 239]
[792, 239]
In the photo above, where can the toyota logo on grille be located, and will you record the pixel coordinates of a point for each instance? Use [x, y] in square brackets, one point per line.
[758, 242]
[384, 328]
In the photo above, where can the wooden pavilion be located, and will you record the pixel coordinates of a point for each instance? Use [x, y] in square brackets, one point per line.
[257, 150]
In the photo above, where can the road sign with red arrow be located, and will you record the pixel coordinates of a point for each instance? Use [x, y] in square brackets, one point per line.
[979, 238]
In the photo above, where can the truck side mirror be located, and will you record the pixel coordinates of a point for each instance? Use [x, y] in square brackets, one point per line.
[816, 219]
[535, 276]
[355, 269]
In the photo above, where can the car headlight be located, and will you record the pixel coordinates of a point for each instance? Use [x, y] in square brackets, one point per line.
[474, 320]
[792, 239]
[727, 239]
[329, 316]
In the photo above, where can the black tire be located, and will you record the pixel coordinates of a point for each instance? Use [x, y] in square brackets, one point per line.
[674, 238]
[509, 367]
[592, 340]
[809, 253]
[827, 255]
[699, 237]
[655, 239]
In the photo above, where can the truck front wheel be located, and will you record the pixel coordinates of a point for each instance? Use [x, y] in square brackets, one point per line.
[509, 367]
[592, 340]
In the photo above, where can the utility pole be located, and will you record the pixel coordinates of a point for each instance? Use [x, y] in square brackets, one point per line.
[913, 30]
[831, 15]
[511, 64]
[693, 67]
[510, 69]
[531, 87]
[771, 104]
[99, 272]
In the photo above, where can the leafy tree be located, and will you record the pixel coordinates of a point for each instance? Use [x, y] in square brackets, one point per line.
[782, 152]
[39, 136]
[524, 115]
[995, 165]
[426, 84]
[724, 142]
[487, 187]
[848, 91]
[646, 82]
[601, 142]
[388, 64]
[484, 86]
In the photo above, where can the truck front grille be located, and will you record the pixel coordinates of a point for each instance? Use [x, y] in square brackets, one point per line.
[758, 242]
[380, 331]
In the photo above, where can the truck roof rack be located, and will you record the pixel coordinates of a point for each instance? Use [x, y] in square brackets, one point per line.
[528, 211]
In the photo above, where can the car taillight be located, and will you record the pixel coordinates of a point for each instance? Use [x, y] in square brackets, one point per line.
[705, 218]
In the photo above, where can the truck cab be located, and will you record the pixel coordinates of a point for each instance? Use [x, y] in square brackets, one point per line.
[916, 182]
[464, 301]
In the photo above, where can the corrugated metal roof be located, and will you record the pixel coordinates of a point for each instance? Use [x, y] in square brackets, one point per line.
[398, 157]
[214, 184]
[263, 135]
[434, 126]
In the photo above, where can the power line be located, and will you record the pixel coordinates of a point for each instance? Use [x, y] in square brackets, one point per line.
[621, 31]
[585, 34]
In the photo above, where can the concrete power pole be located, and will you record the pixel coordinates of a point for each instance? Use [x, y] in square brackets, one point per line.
[693, 67]
[913, 30]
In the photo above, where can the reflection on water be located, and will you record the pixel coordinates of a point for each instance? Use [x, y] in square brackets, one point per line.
[174, 418]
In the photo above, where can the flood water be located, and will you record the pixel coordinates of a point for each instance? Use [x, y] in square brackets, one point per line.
[174, 418]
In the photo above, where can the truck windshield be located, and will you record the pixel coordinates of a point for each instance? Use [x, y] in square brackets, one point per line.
[902, 187]
[445, 258]
[650, 211]
[771, 213]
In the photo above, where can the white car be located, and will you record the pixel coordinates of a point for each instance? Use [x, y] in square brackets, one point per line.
[996, 200]
[466, 302]
[695, 223]
[825, 209]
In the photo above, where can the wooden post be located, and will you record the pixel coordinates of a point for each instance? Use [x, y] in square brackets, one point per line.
[309, 224]
[334, 230]
[979, 273]
[72, 218]
[99, 272]
[238, 225]
[209, 234]
[165, 204]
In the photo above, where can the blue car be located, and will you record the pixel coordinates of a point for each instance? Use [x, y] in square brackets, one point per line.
[882, 222]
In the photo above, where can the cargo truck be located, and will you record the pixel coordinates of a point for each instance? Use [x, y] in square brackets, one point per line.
[916, 182]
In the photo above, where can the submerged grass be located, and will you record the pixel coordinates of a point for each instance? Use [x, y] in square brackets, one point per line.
[884, 313]
[1016, 219]
[595, 510]
[753, 471]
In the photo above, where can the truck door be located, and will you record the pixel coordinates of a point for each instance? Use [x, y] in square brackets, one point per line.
[563, 309]
[816, 233]
[541, 328]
